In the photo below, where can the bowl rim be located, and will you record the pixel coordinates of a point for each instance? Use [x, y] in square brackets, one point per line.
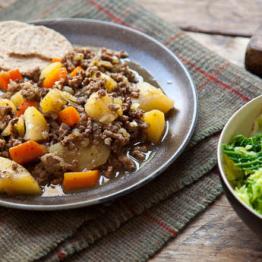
[220, 156]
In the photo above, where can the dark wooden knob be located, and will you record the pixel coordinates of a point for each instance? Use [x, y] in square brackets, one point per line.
[253, 58]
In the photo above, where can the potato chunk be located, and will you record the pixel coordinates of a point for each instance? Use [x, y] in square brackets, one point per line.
[36, 125]
[52, 73]
[89, 157]
[16, 180]
[17, 99]
[53, 101]
[156, 125]
[20, 126]
[110, 83]
[104, 109]
[8, 130]
[153, 98]
[7, 103]
[68, 97]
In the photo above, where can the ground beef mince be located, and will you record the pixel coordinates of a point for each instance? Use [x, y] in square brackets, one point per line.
[119, 143]
[138, 152]
[55, 167]
[2, 144]
[6, 115]
[30, 91]
[33, 75]
[39, 172]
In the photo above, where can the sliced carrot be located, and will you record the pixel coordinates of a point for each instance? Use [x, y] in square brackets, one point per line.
[77, 180]
[26, 152]
[56, 59]
[4, 80]
[5, 77]
[15, 75]
[24, 106]
[69, 116]
[52, 73]
[77, 70]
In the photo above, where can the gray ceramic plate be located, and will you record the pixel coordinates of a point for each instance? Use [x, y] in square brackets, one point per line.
[173, 79]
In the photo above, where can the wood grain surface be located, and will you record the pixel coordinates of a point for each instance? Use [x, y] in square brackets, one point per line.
[215, 236]
[218, 234]
[5, 3]
[227, 17]
[232, 48]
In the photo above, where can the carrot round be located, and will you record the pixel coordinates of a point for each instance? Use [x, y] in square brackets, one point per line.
[78, 180]
[15, 75]
[69, 116]
[24, 106]
[26, 152]
[76, 71]
[5, 77]
[4, 80]
[56, 59]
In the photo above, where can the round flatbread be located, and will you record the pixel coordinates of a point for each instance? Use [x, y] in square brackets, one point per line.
[8, 29]
[24, 64]
[27, 47]
[38, 41]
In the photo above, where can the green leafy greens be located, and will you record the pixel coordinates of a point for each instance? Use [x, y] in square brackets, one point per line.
[243, 165]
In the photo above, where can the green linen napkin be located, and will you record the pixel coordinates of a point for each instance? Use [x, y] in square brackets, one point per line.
[135, 226]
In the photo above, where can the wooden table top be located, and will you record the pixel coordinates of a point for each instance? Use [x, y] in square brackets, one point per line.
[224, 26]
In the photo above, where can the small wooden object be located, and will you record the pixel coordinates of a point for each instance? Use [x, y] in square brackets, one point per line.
[253, 59]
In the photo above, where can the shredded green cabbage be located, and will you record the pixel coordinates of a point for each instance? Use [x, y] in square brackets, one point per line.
[243, 166]
[251, 191]
[258, 125]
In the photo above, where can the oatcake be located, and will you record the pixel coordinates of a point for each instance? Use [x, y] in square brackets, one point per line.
[27, 47]
[39, 41]
[7, 30]
[24, 64]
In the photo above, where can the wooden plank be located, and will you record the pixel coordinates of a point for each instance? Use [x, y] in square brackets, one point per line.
[216, 235]
[227, 17]
[231, 48]
[6, 3]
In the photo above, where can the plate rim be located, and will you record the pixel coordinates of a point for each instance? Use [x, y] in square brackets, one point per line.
[153, 175]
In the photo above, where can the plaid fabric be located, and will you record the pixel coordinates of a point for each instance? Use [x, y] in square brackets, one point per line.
[137, 225]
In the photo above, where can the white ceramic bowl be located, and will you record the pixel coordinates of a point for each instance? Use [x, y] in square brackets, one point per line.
[242, 122]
